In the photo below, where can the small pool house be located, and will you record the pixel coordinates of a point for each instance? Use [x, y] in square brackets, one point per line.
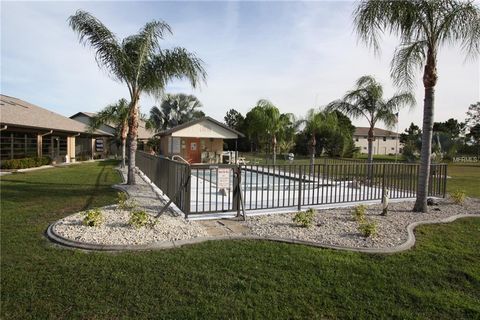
[198, 141]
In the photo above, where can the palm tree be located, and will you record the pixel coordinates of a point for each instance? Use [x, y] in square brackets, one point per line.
[268, 120]
[315, 122]
[117, 115]
[367, 101]
[423, 27]
[175, 109]
[139, 62]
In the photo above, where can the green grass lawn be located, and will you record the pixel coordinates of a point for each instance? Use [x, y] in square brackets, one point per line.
[438, 279]
[465, 177]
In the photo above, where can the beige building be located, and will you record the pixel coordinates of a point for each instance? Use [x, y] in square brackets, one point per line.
[28, 130]
[113, 144]
[385, 141]
[197, 141]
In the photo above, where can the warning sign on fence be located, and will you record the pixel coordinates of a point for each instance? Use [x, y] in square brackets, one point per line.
[223, 177]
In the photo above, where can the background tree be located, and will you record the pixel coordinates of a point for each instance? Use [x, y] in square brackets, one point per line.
[423, 26]
[412, 142]
[117, 116]
[451, 127]
[473, 115]
[174, 110]
[139, 62]
[266, 126]
[366, 101]
[234, 119]
[316, 123]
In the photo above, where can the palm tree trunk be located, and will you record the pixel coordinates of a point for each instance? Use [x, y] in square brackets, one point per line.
[132, 136]
[370, 145]
[426, 152]
[124, 146]
[429, 82]
[313, 144]
[274, 146]
[123, 136]
[371, 135]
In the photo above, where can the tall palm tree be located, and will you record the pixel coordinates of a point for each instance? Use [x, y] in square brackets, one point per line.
[139, 62]
[269, 121]
[175, 109]
[423, 26]
[116, 114]
[366, 100]
[315, 122]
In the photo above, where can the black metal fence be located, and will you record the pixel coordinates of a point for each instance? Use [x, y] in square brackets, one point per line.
[172, 177]
[224, 188]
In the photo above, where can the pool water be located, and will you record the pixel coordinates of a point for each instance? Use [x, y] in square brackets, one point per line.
[256, 180]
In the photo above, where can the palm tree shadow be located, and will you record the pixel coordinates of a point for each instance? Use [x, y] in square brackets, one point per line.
[96, 188]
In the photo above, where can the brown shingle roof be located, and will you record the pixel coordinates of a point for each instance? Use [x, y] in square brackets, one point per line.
[363, 131]
[142, 133]
[16, 112]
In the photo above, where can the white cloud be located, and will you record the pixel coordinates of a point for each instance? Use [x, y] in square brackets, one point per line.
[297, 54]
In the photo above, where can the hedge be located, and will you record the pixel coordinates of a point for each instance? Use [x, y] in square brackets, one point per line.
[25, 163]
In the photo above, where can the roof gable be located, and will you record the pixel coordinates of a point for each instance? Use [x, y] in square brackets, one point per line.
[205, 127]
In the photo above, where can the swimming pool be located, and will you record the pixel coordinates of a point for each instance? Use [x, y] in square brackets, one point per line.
[262, 179]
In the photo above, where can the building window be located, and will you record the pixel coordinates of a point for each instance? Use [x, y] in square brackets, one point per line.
[356, 139]
[393, 138]
[393, 148]
[384, 138]
[99, 145]
[365, 137]
[62, 141]
[364, 148]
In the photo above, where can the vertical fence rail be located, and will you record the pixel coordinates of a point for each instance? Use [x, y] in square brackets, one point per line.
[284, 186]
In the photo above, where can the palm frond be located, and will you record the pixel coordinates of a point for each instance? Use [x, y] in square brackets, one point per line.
[172, 64]
[460, 22]
[346, 108]
[91, 31]
[407, 59]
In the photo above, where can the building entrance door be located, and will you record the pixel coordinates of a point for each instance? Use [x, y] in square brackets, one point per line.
[193, 150]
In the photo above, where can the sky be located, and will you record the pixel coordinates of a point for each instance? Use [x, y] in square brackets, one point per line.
[299, 55]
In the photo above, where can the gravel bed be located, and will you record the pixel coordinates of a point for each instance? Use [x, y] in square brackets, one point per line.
[116, 231]
[331, 227]
[337, 226]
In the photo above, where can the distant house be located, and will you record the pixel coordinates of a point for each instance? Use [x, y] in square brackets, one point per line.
[28, 130]
[143, 133]
[385, 141]
[197, 141]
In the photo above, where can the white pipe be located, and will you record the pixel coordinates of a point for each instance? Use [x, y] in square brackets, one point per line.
[4, 128]
[45, 134]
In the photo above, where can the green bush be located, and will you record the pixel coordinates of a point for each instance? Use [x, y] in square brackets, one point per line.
[124, 203]
[305, 219]
[25, 163]
[368, 228]
[93, 218]
[359, 213]
[458, 196]
[140, 218]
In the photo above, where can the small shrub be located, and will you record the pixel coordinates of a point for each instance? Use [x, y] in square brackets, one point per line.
[359, 213]
[124, 203]
[25, 163]
[93, 218]
[140, 218]
[458, 196]
[368, 228]
[305, 219]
